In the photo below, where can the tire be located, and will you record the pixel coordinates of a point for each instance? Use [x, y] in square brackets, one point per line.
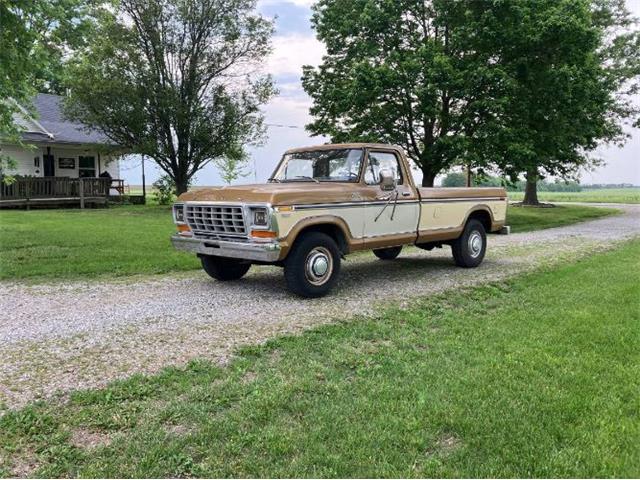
[469, 249]
[224, 269]
[387, 253]
[313, 265]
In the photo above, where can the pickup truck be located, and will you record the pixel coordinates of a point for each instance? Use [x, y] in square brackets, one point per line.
[325, 202]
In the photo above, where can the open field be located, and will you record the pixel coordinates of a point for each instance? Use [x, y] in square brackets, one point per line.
[129, 240]
[600, 195]
[533, 377]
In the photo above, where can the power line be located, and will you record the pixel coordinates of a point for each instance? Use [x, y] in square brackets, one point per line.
[278, 125]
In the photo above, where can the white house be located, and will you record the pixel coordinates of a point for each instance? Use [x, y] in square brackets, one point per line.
[62, 148]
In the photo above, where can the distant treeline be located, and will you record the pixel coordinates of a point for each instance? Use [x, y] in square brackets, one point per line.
[457, 179]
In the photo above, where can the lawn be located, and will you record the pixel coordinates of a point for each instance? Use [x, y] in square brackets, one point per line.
[596, 195]
[117, 241]
[129, 240]
[535, 377]
[525, 219]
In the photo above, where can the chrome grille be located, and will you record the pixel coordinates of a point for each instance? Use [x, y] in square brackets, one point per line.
[218, 219]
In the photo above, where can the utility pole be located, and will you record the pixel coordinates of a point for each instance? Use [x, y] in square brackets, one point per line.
[144, 186]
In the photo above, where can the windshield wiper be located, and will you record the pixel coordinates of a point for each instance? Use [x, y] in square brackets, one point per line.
[307, 177]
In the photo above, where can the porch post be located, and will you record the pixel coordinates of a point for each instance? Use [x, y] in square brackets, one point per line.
[81, 188]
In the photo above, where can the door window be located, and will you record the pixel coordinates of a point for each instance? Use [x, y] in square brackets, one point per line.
[86, 167]
[381, 161]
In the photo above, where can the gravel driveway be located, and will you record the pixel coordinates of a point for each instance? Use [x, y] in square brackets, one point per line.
[56, 337]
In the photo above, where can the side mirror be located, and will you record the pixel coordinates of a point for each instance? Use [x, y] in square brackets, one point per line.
[387, 180]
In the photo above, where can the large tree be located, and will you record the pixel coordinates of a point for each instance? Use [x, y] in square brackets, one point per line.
[35, 37]
[175, 80]
[401, 72]
[570, 69]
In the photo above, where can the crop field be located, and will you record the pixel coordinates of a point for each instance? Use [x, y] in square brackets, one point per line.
[601, 195]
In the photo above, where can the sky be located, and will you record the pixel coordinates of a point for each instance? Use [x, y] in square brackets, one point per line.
[295, 45]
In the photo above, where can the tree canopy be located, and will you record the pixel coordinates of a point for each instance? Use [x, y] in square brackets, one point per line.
[399, 72]
[570, 69]
[517, 85]
[175, 80]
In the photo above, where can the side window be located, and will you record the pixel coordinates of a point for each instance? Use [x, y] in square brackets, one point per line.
[381, 161]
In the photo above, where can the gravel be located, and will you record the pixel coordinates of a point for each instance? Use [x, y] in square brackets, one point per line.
[56, 337]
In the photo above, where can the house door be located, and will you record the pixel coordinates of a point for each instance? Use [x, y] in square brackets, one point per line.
[49, 165]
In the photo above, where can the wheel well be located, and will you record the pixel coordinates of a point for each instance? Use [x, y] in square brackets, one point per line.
[332, 230]
[483, 217]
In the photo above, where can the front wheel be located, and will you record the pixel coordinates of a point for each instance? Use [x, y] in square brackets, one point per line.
[224, 269]
[387, 253]
[312, 267]
[469, 249]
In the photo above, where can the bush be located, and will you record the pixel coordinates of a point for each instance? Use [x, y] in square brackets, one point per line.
[165, 189]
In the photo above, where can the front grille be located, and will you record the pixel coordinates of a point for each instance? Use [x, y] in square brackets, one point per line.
[217, 219]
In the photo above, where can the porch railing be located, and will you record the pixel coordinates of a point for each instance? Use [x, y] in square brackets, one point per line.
[58, 187]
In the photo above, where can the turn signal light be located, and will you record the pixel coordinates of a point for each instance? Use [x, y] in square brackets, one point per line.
[263, 234]
[184, 229]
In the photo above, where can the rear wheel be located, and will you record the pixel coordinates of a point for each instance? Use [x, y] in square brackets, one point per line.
[469, 249]
[312, 267]
[224, 269]
[387, 253]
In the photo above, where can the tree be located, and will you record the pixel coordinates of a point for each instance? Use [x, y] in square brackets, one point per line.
[175, 80]
[454, 179]
[402, 72]
[570, 68]
[232, 167]
[34, 37]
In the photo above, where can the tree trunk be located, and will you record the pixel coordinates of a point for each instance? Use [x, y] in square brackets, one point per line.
[428, 177]
[531, 189]
[182, 185]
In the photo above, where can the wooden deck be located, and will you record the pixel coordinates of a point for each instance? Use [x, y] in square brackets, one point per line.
[52, 191]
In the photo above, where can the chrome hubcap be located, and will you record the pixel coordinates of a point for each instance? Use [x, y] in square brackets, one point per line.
[475, 244]
[318, 266]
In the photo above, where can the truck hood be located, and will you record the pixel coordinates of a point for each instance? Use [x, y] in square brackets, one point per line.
[287, 193]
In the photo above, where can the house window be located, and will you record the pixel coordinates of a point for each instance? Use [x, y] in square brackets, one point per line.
[87, 166]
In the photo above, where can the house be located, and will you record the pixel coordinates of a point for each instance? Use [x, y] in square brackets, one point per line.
[57, 153]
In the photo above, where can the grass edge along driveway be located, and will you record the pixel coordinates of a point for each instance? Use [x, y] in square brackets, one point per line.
[534, 377]
[123, 241]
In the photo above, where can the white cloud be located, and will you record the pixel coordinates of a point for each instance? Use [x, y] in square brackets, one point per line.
[291, 52]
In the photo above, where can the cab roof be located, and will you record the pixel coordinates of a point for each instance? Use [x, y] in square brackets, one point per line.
[331, 146]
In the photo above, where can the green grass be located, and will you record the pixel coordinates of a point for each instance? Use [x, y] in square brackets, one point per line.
[129, 240]
[537, 377]
[117, 241]
[525, 219]
[596, 195]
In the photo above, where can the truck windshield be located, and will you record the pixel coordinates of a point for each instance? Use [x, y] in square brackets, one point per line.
[339, 165]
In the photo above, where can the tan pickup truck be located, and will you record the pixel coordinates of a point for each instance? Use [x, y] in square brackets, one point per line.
[325, 202]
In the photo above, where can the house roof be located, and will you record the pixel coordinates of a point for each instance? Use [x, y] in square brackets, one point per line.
[51, 126]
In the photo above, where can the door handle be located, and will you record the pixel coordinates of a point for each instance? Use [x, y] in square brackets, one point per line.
[406, 194]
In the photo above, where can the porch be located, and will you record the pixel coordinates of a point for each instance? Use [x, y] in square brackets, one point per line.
[58, 191]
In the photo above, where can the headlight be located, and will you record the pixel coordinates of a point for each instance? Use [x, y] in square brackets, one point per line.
[260, 217]
[178, 213]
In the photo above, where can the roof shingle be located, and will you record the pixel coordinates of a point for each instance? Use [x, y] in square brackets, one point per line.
[52, 119]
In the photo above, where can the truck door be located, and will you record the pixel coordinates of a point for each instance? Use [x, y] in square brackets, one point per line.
[389, 215]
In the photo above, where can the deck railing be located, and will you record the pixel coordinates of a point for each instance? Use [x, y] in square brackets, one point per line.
[28, 188]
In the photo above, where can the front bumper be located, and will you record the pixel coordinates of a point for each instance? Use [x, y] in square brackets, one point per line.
[262, 252]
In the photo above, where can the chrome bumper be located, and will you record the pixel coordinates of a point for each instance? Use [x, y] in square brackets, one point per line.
[263, 252]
